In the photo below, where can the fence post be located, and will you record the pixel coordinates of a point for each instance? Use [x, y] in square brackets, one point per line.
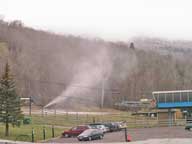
[43, 133]
[126, 135]
[67, 115]
[77, 116]
[32, 135]
[55, 112]
[87, 118]
[42, 112]
[30, 105]
[53, 131]
[150, 123]
[93, 119]
[135, 121]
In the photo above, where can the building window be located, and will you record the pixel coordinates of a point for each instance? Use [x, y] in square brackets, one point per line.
[162, 98]
[169, 97]
[184, 96]
[176, 97]
[190, 96]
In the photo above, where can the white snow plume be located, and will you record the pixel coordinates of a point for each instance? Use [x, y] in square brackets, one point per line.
[88, 75]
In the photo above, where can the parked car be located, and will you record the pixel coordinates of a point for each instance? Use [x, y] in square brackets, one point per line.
[122, 125]
[109, 126]
[90, 134]
[188, 124]
[99, 126]
[116, 126]
[75, 131]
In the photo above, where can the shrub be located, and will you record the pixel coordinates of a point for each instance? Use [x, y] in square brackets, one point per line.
[27, 120]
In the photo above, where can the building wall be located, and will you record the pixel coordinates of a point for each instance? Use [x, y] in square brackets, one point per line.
[164, 119]
[162, 115]
[179, 114]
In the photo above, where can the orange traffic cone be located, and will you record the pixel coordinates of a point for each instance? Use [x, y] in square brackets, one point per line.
[129, 138]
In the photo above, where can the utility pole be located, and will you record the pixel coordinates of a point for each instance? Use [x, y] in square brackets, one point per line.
[55, 111]
[30, 101]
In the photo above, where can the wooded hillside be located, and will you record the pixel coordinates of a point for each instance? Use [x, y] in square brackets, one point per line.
[46, 64]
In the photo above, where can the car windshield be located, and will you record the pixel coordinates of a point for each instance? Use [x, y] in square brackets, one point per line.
[80, 127]
[87, 132]
[100, 126]
[74, 128]
[93, 126]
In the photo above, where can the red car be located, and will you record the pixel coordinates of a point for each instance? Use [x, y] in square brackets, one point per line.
[75, 131]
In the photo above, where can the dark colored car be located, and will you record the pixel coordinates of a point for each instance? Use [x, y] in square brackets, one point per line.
[112, 126]
[75, 131]
[90, 134]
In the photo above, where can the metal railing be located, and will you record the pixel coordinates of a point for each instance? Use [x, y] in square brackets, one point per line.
[68, 120]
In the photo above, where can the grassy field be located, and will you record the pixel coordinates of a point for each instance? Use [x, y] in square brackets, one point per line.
[71, 120]
[60, 122]
[24, 132]
[67, 121]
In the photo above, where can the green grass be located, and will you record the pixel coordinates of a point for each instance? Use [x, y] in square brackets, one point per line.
[24, 132]
[72, 120]
[61, 122]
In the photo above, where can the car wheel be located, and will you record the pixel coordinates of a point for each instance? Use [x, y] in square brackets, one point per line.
[66, 135]
[90, 138]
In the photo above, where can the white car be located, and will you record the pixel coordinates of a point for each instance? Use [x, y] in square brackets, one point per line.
[100, 127]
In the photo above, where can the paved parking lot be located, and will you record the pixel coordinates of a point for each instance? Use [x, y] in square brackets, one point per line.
[137, 134]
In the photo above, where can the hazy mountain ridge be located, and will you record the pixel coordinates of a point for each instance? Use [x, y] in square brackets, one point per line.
[163, 45]
[46, 65]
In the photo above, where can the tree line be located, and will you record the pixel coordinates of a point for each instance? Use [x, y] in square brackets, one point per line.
[37, 56]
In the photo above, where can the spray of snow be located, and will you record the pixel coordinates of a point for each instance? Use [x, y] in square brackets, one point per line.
[89, 73]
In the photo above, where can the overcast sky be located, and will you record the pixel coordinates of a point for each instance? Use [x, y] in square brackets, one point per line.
[108, 19]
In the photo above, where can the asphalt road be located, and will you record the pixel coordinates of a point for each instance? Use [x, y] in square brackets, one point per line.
[137, 134]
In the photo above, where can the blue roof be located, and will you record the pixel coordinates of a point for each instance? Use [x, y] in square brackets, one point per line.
[174, 105]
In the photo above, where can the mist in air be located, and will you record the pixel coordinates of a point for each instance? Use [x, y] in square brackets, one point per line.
[88, 75]
[85, 87]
